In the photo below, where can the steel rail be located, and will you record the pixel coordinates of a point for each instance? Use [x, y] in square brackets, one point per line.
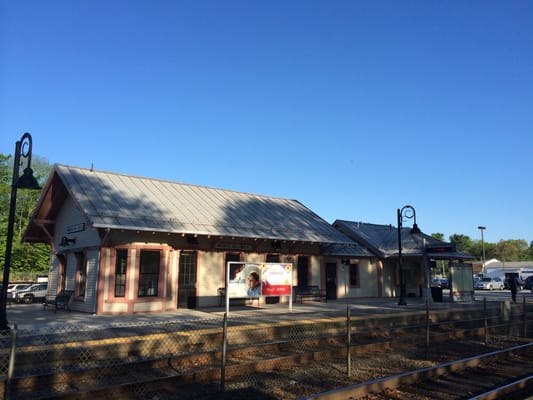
[508, 389]
[408, 378]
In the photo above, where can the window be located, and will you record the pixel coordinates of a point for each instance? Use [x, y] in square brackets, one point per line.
[232, 257]
[272, 258]
[62, 265]
[121, 263]
[354, 274]
[187, 275]
[81, 274]
[149, 273]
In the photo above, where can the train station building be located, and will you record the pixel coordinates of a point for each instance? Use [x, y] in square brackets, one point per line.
[126, 244]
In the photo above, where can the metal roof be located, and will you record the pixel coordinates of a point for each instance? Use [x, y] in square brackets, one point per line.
[383, 240]
[346, 250]
[118, 201]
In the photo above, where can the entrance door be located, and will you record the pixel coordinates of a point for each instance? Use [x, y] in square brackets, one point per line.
[331, 281]
[187, 280]
[303, 271]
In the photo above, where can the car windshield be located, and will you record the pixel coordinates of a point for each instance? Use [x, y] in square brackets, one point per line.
[486, 279]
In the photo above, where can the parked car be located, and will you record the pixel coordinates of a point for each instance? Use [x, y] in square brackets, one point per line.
[441, 282]
[528, 283]
[13, 288]
[34, 293]
[490, 283]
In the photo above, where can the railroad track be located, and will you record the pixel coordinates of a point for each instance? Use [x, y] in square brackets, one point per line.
[506, 373]
[97, 368]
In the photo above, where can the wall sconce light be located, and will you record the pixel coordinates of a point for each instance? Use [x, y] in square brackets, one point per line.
[345, 261]
[65, 241]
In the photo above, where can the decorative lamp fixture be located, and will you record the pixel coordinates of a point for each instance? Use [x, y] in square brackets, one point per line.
[404, 212]
[27, 180]
[482, 228]
[23, 149]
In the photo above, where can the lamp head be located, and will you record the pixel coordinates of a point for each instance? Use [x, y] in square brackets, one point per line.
[27, 180]
[415, 229]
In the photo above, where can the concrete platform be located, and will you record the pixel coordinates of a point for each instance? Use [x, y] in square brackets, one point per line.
[33, 316]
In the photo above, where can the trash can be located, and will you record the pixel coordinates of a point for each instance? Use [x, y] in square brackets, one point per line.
[436, 294]
[272, 300]
[191, 302]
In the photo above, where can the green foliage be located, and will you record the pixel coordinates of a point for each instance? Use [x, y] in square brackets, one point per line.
[25, 257]
[510, 250]
[504, 250]
[462, 242]
[438, 236]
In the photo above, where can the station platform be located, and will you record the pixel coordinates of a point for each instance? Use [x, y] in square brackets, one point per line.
[33, 316]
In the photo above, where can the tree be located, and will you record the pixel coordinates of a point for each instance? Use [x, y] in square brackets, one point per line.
[529, 254]
[462, 242]
[510, 250]
[438, 236]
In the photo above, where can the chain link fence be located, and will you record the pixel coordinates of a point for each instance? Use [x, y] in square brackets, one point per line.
[192, 359]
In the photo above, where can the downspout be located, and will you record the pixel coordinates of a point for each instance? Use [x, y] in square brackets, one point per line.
[425, 265]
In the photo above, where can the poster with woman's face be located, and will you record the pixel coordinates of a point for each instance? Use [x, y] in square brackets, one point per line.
[244, 280]
[253, 280]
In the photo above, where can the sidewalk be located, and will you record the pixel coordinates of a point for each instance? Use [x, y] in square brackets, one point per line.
[32, 316]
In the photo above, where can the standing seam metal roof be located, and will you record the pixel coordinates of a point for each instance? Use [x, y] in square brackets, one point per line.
[383, 239]
[117, 201]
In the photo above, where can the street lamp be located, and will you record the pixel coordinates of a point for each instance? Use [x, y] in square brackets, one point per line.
[26, 181]
[404, 212]
[482, 228]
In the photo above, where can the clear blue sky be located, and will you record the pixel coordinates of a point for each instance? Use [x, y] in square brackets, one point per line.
[354, 108]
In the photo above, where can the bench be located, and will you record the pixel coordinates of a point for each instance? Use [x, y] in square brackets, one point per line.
[308, 292]
[61, 300]
[237, 300]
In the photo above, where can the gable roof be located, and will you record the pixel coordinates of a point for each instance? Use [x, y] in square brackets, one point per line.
[118, 201]
[382, 240]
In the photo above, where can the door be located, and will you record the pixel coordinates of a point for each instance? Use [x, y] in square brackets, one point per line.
[331, 281]
[303, 271]
[187, 280]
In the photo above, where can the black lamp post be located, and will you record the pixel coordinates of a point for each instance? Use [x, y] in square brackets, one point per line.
[404, 212]
[26, 181]
[482, 228]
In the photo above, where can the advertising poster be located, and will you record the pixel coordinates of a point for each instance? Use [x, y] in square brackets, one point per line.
[244, 280]
[276, 279]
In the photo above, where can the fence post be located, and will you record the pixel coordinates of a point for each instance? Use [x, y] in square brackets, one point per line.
[524, 317]
[485, 322]
[348, 341]
[427, 324]
[11, 366]
[224, 349]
